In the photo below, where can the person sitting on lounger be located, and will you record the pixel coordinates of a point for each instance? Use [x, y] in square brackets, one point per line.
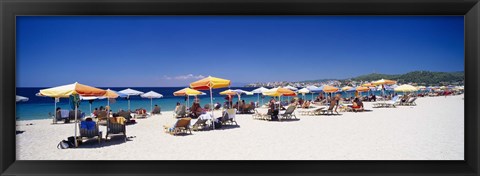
[195, 110]
[156, 110]
[273, 109]
[177, 107]
[357, 104]
[405, 98]
[306, 104]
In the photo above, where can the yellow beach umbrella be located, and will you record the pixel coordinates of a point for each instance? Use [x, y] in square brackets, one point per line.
[368, 85]
[362, 89]
[187, 92]
[210, 83]
[228, 92]
[405, 88]
[346, 88]
[329, 89]
[73, 89]
[384, 82]
[279, 91]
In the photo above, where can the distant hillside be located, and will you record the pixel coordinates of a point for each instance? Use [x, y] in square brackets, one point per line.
[420, 77]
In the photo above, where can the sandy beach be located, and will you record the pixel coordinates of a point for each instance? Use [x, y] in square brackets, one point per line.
[432, 130]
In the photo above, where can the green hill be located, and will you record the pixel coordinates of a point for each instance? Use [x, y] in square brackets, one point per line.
[420, 77]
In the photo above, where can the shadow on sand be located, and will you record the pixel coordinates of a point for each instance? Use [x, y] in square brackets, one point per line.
[93, 142]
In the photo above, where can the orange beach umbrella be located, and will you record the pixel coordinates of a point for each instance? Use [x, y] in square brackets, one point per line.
[73, 89]
[329, 89]
[210, 83]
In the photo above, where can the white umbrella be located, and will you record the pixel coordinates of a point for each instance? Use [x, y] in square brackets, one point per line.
[291, 88]
[130, 92]
[20, 98]
[89, 102]
[151, 95]
[258, 91]
[303, 91]
[240, 92]
[313, 89]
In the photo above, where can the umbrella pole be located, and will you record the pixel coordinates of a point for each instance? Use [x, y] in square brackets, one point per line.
[211, 101]
[76, 144]
[90, 108]
[55, 111]
[151, 105]
[258, 98]
[128, 102]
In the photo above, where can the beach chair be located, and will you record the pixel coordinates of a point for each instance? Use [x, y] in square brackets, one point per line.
[228, 117]
[141, 113]
[156, 110]
[102, 115]
[330, 109]
[80, 115]
[200, 124]
[59, 116]
[181, 113]
[395, 101]
[182, 125]
[289, 113]
[89, 133]
[410, 102]
[114, 127]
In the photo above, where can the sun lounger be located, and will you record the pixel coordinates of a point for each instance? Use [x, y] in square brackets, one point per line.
[182, 125]
[409, 102]
[228, 117]
[289, 113]
[392, 103]
[200, 124]
[330, 109]
[89, 130]
[116, 127]
[142, 113]
[181, 112]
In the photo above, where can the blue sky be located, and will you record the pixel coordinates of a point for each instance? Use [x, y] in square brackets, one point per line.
[163, 51]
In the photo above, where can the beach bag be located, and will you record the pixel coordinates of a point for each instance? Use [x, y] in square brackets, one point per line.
[218, 123]
[64, 145]
[71, 141]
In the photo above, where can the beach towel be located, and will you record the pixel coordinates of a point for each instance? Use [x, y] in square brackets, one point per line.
[64, 113]
[89, 125]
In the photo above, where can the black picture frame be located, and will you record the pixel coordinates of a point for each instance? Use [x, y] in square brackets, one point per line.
[11, 8]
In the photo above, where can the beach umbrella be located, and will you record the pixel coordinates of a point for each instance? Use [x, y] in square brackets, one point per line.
[329, 89]
[188, 92]
[258, 91]
[314, 89]
[303, 91]
[346, 88]
[383, 82]
[228, 92]
[210, 83]
[151, 95]
[90, 101]
[291, 88]
[130, 92]
[279, 91]
[72, 89]
[405, 88]
[20, 99]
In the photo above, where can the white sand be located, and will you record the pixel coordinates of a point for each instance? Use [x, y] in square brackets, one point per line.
[432, 130]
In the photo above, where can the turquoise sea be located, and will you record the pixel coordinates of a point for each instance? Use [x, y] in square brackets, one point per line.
[39, 107]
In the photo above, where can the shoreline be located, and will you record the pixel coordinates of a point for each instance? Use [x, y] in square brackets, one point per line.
[429, 131]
